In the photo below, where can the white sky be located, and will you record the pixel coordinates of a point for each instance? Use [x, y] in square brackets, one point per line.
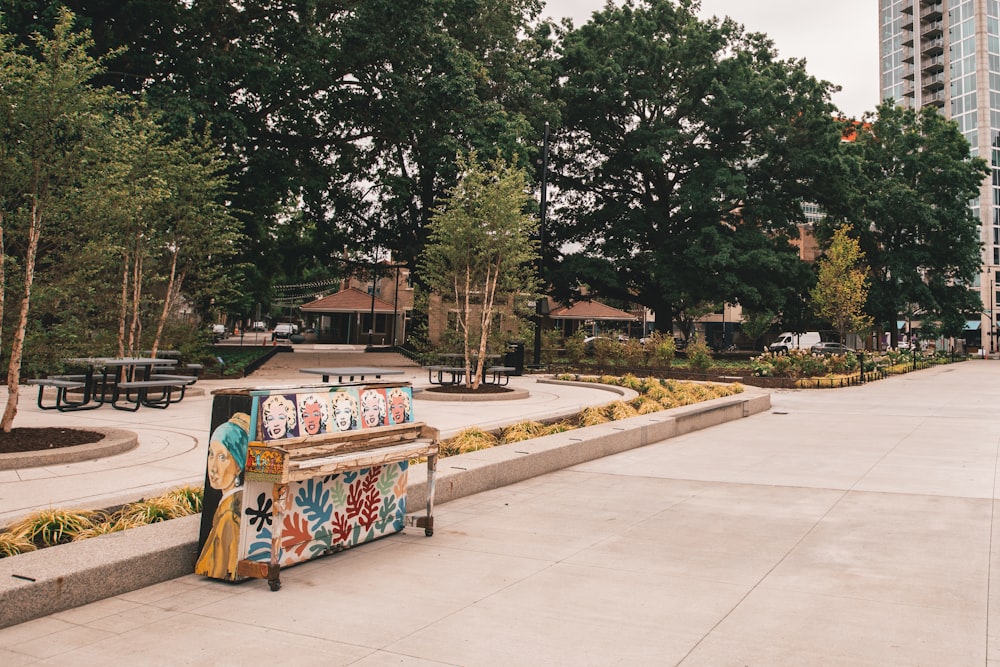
[839, 40]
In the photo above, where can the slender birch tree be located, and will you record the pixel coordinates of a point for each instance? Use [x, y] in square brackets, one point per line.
[481, 253]
[49, 112]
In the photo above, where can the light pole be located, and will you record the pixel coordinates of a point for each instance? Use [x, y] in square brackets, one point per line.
[371, 321]
[541, 310]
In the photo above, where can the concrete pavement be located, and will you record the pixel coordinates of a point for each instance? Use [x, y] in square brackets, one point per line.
[844, 527]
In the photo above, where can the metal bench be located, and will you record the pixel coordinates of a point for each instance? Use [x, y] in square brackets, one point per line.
[186, 379]
[63, 385]
[499, 372]
[456, 373]
[136, 393]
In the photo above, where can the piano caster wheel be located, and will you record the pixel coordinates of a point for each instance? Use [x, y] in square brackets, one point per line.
[274, 584]
[428, 532]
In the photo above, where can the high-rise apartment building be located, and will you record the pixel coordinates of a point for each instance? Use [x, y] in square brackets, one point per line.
[946, 54]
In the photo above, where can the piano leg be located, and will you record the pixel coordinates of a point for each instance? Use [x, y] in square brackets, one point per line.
[281, 502]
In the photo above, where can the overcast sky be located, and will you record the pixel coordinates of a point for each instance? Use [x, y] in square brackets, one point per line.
[839, 40]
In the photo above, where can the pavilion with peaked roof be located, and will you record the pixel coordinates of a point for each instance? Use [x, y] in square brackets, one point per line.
[594, 316]
[347, 316]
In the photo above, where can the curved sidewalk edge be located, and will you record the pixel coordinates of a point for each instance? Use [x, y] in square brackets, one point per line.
[115, 441]
[43, 582]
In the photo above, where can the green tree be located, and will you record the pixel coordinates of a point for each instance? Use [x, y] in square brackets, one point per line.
[686, 152]
[841, 290]
[451, 78]
[49, 113]
[480, 254]
[912, 215]
[756, 323]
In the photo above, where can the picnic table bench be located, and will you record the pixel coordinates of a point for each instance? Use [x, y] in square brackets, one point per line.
[498, 373]
[135, 393]
[63, 385]
[456, 374]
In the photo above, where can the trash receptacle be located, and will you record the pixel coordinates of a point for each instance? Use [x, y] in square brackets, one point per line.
[514, 357]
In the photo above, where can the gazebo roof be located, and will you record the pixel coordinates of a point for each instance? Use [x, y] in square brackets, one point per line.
[350, 300]
[589, 310]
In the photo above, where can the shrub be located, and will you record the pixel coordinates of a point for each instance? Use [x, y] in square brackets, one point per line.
[154, 510]
[621, 410]
[606, 351]
[574, 347]
[699, 355]
[522, 431]
[593, 417]
[469, 440]
[12, 544]
[47, 528]
[662, 349]
[634, 353]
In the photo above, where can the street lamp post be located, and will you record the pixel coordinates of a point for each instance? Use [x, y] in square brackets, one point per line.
[371, 320]
[541, 310]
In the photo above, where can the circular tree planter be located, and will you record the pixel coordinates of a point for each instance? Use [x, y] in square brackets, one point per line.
[115, 441]
[457, 393]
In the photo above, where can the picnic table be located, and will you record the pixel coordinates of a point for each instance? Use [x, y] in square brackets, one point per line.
[498, 375]
[355, 374]
[127, 383]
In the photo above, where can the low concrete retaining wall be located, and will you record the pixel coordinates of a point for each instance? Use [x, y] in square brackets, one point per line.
[115, 441]
[43, 582]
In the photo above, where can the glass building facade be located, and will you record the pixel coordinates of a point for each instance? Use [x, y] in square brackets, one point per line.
[946, 54]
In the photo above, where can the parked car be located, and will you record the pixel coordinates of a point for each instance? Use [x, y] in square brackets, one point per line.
[829, 348]
[218, 332]
[259, 326]
[284, 330]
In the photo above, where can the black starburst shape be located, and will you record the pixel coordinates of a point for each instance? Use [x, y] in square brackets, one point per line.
[262, 513]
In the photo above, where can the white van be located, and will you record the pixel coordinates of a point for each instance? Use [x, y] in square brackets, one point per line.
[794, 341]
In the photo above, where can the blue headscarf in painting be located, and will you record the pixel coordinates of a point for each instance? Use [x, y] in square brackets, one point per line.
[235, 436]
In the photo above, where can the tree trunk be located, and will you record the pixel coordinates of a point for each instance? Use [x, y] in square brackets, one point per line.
[123, 309]
[17, 346]
[167, 300]
[485, 319]
[664, 317]
[133, 330]
[467, 316]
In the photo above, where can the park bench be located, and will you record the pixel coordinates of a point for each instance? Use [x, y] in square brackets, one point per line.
[436, 374]
[135, 393]
[63, 385]
[499, 373]
[186, 379]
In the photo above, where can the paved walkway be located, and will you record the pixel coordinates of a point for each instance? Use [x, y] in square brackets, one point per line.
[172, 442]
[844, 527]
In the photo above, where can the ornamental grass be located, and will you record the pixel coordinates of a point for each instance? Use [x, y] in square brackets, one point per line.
[51, 527]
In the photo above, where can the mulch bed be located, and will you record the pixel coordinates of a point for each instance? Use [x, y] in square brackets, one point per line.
[462, 389]
[41, 439]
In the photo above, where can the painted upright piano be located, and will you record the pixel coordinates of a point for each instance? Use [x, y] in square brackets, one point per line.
[294, 473]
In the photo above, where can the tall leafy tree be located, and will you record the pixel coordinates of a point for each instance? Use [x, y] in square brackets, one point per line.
[453, 76]
[912, 216]
[686, 151]
[480, 255]
[49, 114]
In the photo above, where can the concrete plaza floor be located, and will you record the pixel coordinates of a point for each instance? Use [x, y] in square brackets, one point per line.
[844, 527]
